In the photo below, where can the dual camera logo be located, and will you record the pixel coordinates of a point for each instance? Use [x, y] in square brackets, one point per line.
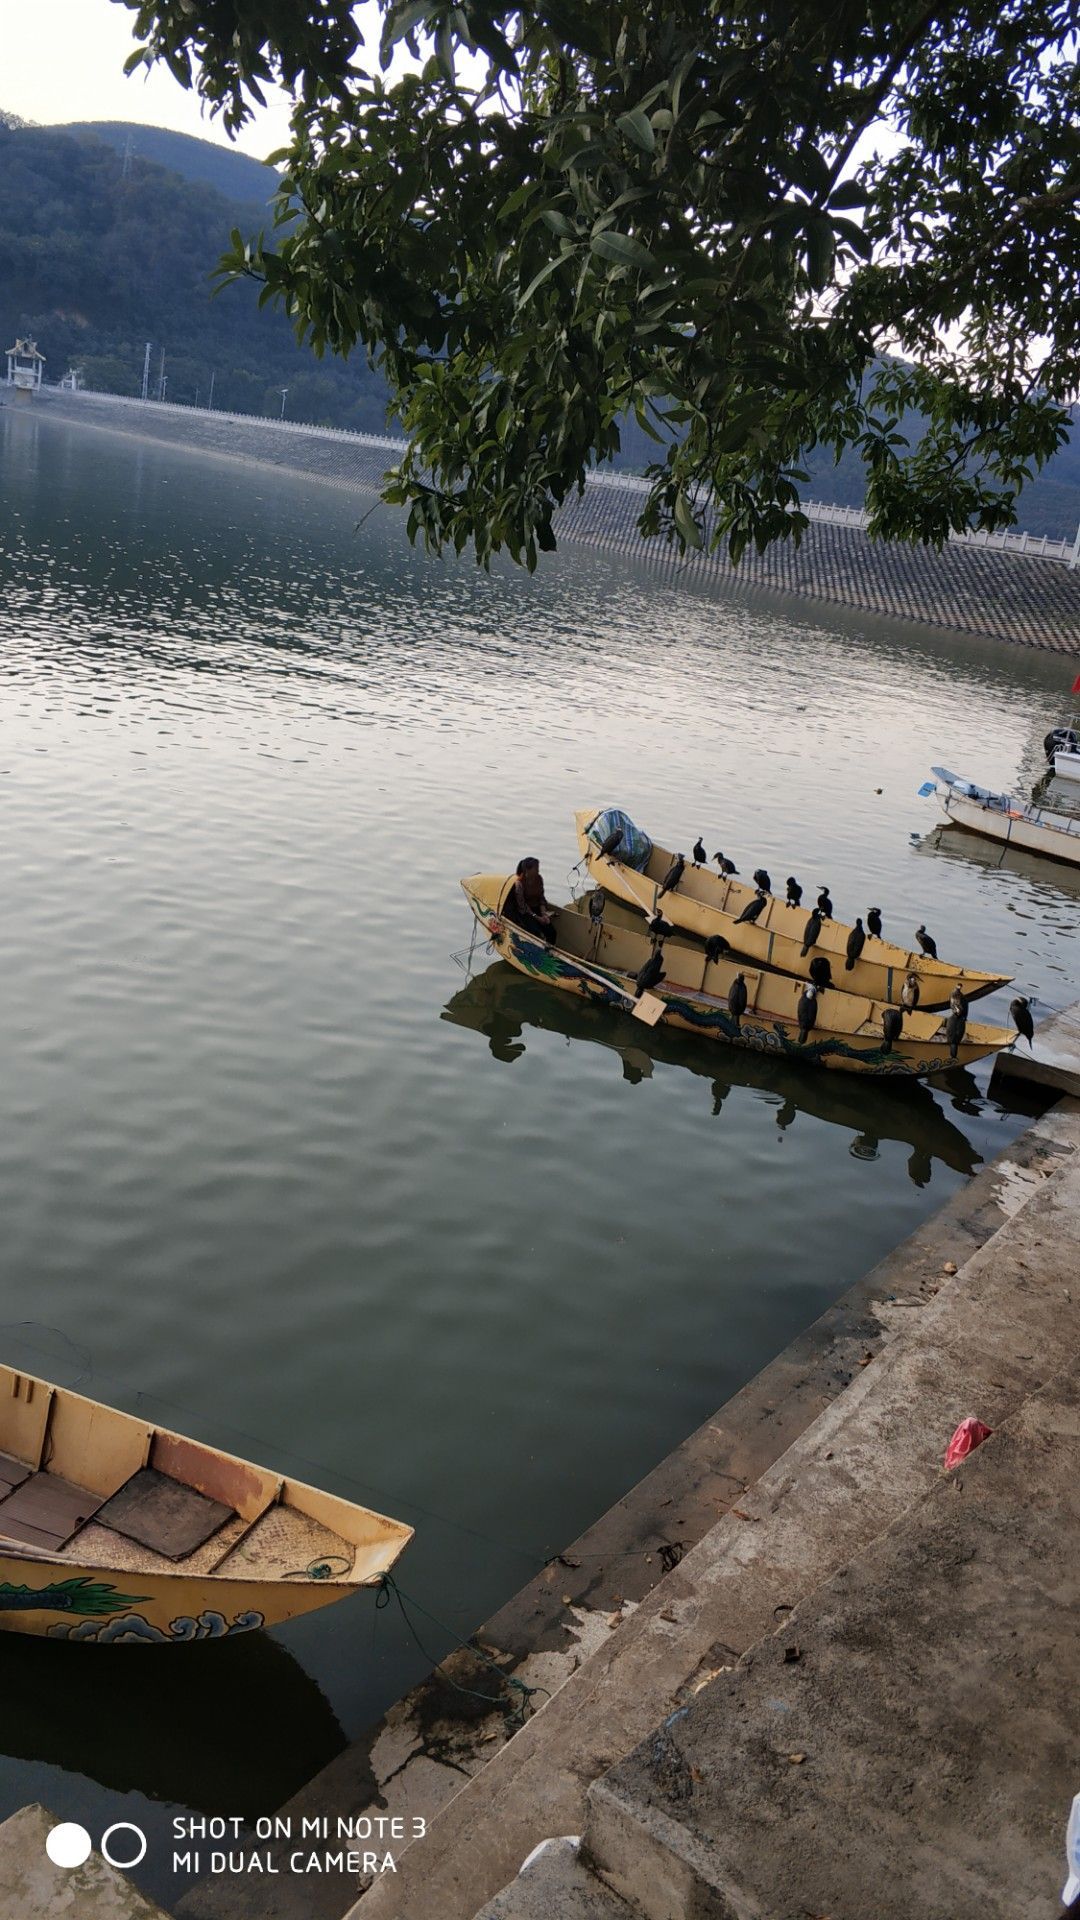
[123, 1845]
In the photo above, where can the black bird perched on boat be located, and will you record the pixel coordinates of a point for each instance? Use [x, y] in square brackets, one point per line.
[910, 993]
[955, 1028]
[700, 854]
[811, 932]
[892, 1025]
[873, 922]
[794, 891]
[754, 908]
[715, 945]
[820, 971]
[928, 945]
[658, 927]
[958, 1001]
[856, 941]
[807, 1013]
[673, 875]
[651, 974]
[596, 905]
[725, 865]
[1020, 1010]
[611, 841]
[761, 879]
[824, 904]
[737, 999]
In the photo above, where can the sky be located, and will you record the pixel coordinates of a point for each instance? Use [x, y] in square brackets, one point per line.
[63, 60]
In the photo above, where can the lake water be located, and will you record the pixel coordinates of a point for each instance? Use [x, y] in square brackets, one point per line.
[273, 1167]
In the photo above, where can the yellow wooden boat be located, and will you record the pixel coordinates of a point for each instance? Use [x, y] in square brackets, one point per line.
[601, 962]
[122, 1532]
[707, 903]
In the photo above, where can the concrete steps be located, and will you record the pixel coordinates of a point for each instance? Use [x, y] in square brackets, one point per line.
[557, 1885]
[906, 1744]
[982, 1345]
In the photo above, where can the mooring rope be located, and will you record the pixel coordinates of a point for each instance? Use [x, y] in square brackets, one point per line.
[515, 1715]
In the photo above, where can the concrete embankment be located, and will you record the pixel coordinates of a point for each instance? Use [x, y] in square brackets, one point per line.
[917, 1759]
[969, 589]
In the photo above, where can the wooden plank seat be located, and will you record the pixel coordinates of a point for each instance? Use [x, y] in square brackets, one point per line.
[163, 1514]
[44, 1511]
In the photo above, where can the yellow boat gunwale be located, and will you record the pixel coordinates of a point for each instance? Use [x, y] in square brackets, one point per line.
[775, 940]
[589, 961]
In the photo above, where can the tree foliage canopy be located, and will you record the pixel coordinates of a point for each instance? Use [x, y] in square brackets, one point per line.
[760, 229]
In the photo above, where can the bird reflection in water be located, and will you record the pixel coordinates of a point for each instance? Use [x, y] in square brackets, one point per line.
[500, 1004]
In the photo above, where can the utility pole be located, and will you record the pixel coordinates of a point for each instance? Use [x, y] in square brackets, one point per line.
[146, 371]
[210, 402]
[161, 376]
[284, 391]
[126, 168]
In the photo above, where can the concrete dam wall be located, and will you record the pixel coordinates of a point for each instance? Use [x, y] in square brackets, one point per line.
[1031, 598]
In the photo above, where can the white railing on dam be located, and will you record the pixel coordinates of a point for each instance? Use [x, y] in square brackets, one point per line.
[1032, 546]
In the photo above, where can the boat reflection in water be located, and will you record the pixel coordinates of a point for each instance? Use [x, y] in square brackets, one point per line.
[238, 1731]
[500, 1004]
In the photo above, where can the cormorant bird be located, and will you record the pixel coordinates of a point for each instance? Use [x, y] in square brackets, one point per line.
[856, 941]
[955, 1027]
[725, 865]
[794, 891]
[596, 905]
[820, 971]
[807, 1013]
[958, 1001]
[761, 879]
[609, 844]
[811, 932]
[910, 993]
[928, 945]
[715, 945]
[673, 875]
[873, 922]
[892, 1025]
[754, 908]
[737, 999]
[650, 974]
[1020, 1009]
[824, 904]
[700, 854]
[658, 927]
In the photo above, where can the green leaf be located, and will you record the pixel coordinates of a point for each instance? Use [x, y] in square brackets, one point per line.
[622, 251]
[637, 127]
[685, 521]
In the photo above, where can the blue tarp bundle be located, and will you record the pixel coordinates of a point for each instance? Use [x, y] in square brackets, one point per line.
[635, 847]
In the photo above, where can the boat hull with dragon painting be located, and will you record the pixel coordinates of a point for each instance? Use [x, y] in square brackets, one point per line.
[601, 961]
[121, 1532]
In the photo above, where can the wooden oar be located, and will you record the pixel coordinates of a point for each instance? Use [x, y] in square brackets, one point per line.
[647, 1007]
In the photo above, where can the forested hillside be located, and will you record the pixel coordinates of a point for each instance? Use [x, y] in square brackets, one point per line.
[235, 175]
[96, 259]
[99, 254]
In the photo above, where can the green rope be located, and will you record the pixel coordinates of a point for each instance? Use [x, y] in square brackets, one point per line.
[515, 1711]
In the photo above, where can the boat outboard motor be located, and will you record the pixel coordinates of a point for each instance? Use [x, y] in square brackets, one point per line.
[1061, 740]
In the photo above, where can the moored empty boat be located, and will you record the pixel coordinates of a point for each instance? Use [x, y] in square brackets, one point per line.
[119, 1531]
[998, 816]
[706, 904]
[602, 962]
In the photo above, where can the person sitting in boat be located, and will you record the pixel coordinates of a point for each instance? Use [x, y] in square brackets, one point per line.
[525, 903]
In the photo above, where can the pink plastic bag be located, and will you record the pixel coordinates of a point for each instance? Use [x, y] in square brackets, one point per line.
[969, 1435]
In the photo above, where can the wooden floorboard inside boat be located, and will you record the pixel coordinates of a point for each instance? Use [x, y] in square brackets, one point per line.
[158, 1512]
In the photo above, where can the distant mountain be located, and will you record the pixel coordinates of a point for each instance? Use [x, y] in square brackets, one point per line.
[97, 258]
[233, 174]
